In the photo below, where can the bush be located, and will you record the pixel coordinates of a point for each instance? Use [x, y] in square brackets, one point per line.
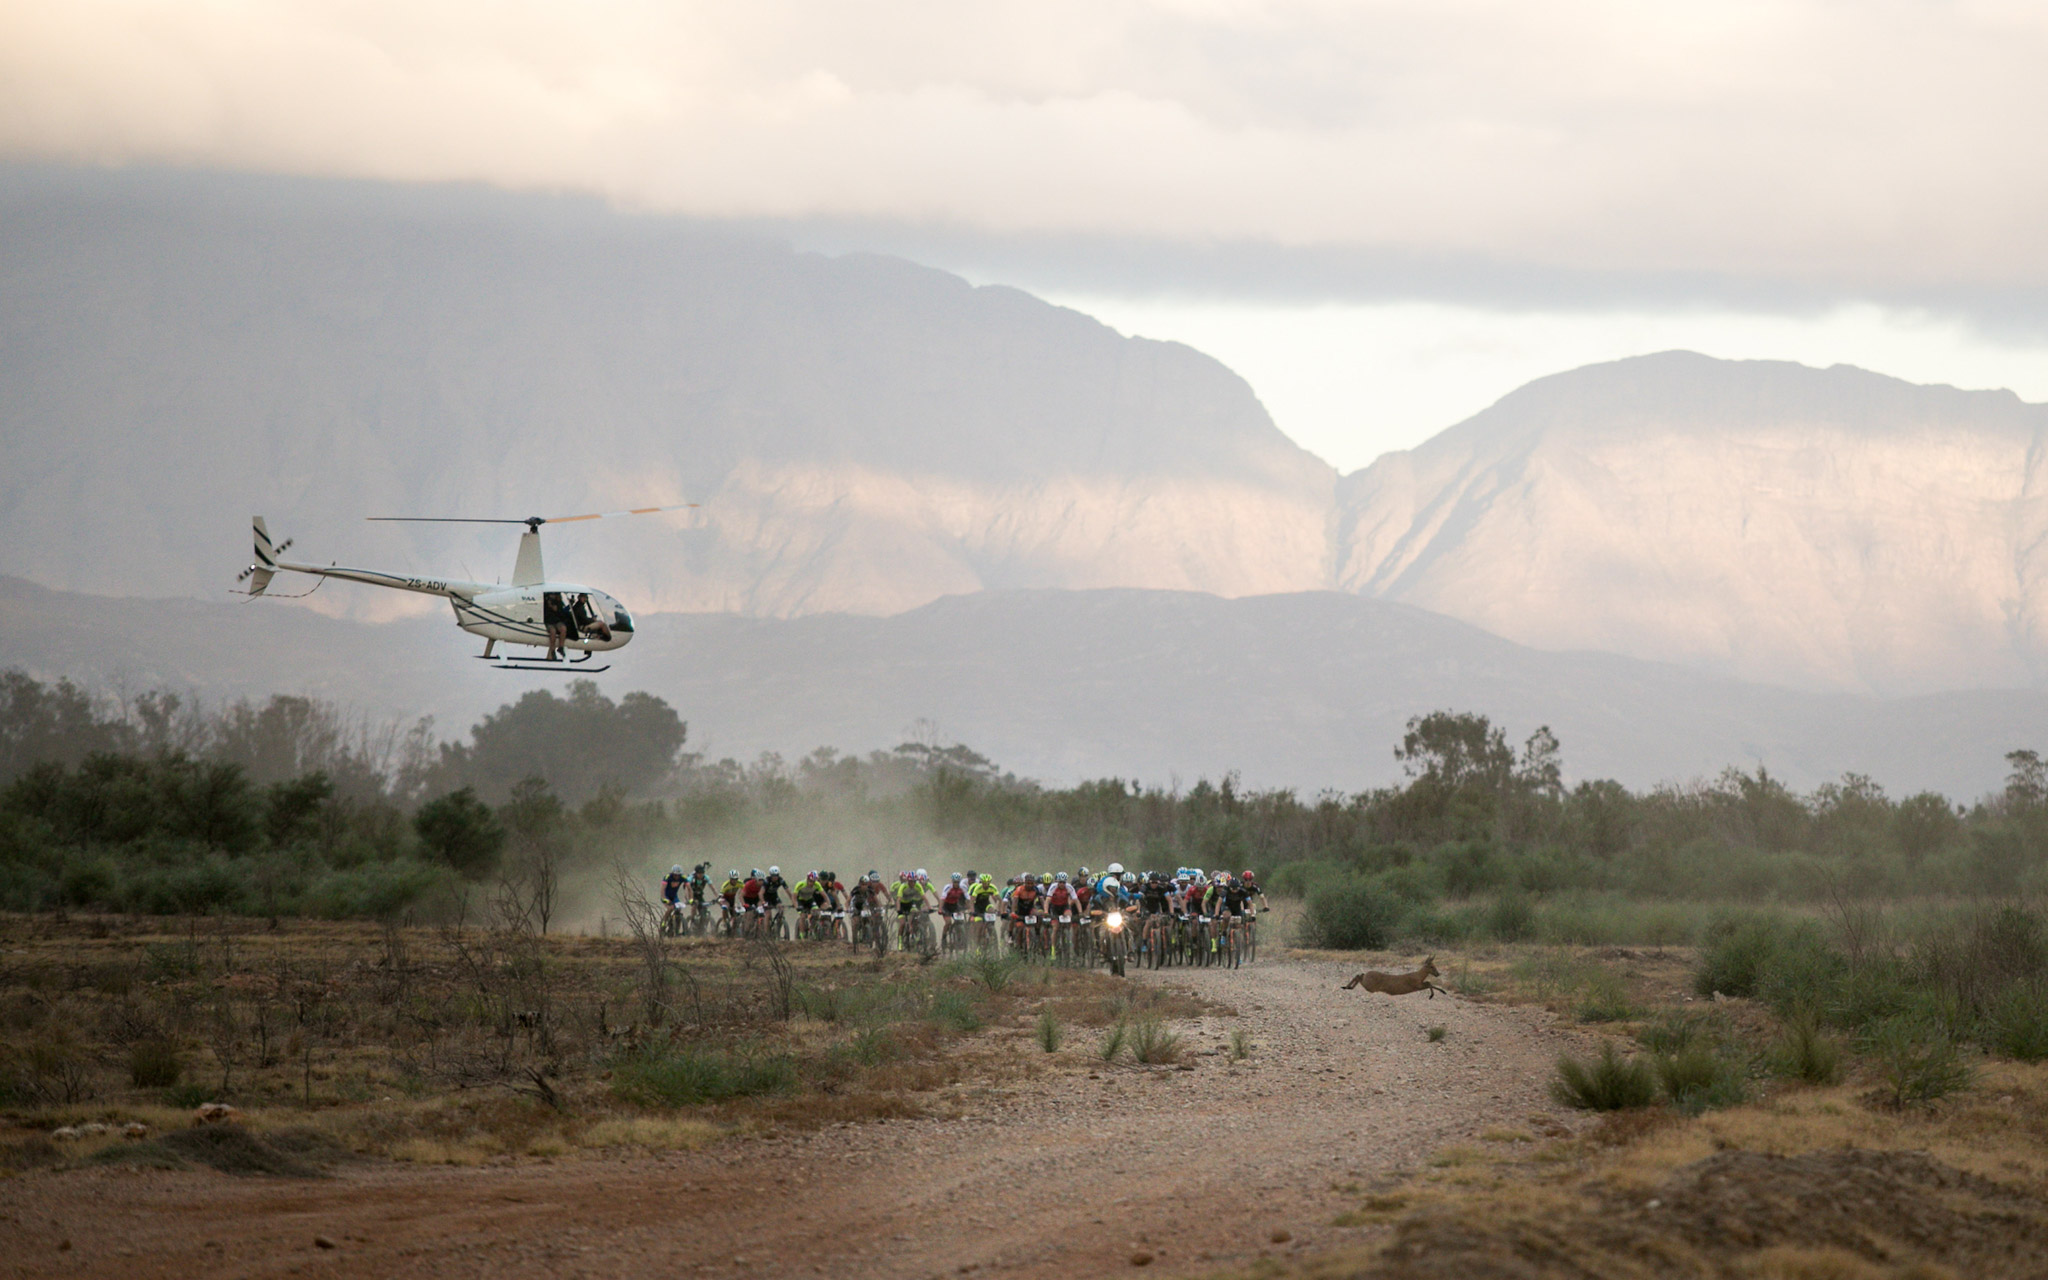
[1608, 1083]
[677, 1077]
[1697, 1079]
[1348, 915]
[1917, 1060]
[1511, 918]
[461, 831]
[1735, 955]
[1605, 998]
[956, 1011]
[2017, 1023]
[1804, 1052]
[1676, 1032]
[1154, 1043]
[154, 1064]
[1049, 1032]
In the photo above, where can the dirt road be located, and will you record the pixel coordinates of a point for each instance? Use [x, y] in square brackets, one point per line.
[1196, 1166]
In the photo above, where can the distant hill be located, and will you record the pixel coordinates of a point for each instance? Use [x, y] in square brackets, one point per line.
[178, 352]
[1305, 690]
[1824, 527]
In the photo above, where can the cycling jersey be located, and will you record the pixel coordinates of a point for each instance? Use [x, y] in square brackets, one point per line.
[698, 884]
[810, 893]
[728, 890]
[671, 885]
[954, 898]
[750, 892]
[984, 898]
[1023, 901]
[1059, 900]
[772, 888]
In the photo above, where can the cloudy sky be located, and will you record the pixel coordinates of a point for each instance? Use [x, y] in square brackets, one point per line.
[1385, 213]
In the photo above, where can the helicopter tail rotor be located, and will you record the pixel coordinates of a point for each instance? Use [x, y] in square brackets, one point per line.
[259, 574]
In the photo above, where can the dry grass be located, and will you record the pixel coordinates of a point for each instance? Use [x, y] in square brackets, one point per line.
[474, 1046]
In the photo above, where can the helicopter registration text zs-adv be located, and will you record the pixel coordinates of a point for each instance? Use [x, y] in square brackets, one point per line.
[560, 617]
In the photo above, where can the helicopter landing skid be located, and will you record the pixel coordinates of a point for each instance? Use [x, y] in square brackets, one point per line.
[575, 665]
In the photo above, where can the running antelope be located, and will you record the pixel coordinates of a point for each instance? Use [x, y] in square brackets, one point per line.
[1400, 984]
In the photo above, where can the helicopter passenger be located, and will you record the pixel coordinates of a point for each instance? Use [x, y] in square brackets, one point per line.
[556, 619]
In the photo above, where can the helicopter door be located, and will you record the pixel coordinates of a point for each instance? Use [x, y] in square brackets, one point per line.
[586, 617]
[553, 613]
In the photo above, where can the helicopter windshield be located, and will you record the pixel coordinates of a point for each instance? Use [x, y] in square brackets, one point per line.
[620, 619]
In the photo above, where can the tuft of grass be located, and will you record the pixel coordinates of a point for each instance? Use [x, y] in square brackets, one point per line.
[186, 1096]
[679, 1077]
[1240, 1044]
[1805, 1052]
[955, 1011]
[1608, 1083]
[1114, 1041]
[1436, 1034]
[227, 1147]
[1605, 999]
[2016, 1025]
[994, 970]
[1049, 1032]
[1154, 1043]
[651, 1133]
[154, 1064]
[1697, 1079]
[1918, 1060]
[1675, 1032]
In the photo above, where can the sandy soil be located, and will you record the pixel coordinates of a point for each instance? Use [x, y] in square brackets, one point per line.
[1072, 1173]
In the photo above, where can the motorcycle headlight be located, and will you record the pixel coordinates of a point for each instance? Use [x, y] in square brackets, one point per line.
[1115, 921]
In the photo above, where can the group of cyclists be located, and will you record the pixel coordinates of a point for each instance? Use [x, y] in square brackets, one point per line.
[1113, 918]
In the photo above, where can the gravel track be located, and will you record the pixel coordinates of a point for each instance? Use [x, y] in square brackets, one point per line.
[1068, 1174]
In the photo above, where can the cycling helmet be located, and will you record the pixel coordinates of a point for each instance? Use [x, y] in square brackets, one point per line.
[1029, 878]
[733, 874]
[956, 877]
[1084, 873]
[676, 870]
[775, 871]
[1062, 877]
[1249, 876]
[812, 876]
[1116, 868]
[1129, 879]
[755, 872]
[922, 874]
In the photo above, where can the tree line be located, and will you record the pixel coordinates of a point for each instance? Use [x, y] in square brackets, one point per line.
[291, 805]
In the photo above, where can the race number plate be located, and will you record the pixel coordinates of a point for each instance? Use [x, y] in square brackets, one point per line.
[990, 915]
[1066, 918]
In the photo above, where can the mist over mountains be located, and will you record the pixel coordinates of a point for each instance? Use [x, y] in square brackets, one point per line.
[873, 443]
[1306, 690]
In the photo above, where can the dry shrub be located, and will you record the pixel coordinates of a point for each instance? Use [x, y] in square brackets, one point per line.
[1154, 1043]
[652, 1133]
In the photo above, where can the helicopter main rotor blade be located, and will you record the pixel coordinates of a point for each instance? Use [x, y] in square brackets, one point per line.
[606, 515]
[446, 520]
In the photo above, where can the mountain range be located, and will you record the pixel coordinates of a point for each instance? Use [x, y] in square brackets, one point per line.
[876, 445]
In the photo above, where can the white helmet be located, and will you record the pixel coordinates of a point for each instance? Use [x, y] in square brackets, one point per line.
[922, 874]
[754, 872]
[775, 871]
[956, 877]
[1062, 877]
[676, 870]
[1116, 868]
[733, 874]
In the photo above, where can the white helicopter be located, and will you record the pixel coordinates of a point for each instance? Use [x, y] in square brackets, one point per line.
[530, 610]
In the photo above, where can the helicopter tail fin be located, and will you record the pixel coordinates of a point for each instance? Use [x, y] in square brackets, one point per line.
[259, 574]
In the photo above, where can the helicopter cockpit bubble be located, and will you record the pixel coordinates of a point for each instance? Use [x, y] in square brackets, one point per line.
[606, 606]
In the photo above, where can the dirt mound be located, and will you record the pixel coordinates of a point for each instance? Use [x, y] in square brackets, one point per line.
[1874, 1213]
[227, 1147]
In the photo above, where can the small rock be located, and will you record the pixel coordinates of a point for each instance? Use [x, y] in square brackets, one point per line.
[322, 1242]
[135, 1131]
[1138, 1259]
[216, 1113]
[1282, 1237]
[64, 1134]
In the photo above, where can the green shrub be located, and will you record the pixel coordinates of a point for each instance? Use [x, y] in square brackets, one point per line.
[956, 1011]
[1348, 915]
[1917, 1059]
[154, 1064]
[1049, 1032]
[1697, 1079]
[2017, 1024]
[1675, 1032]
[1511, 918]
[1608, 1083]
[680, 1077]
[1154, 1043]
[1605, 998]
[1114, 1041]
[1735, 955]
[992, 969]
[1805, 1052]
[1436, 1034]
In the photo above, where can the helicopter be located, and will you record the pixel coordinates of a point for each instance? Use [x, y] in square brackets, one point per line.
[586, 620]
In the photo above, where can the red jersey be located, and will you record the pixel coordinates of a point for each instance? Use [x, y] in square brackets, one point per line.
[751, 891]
